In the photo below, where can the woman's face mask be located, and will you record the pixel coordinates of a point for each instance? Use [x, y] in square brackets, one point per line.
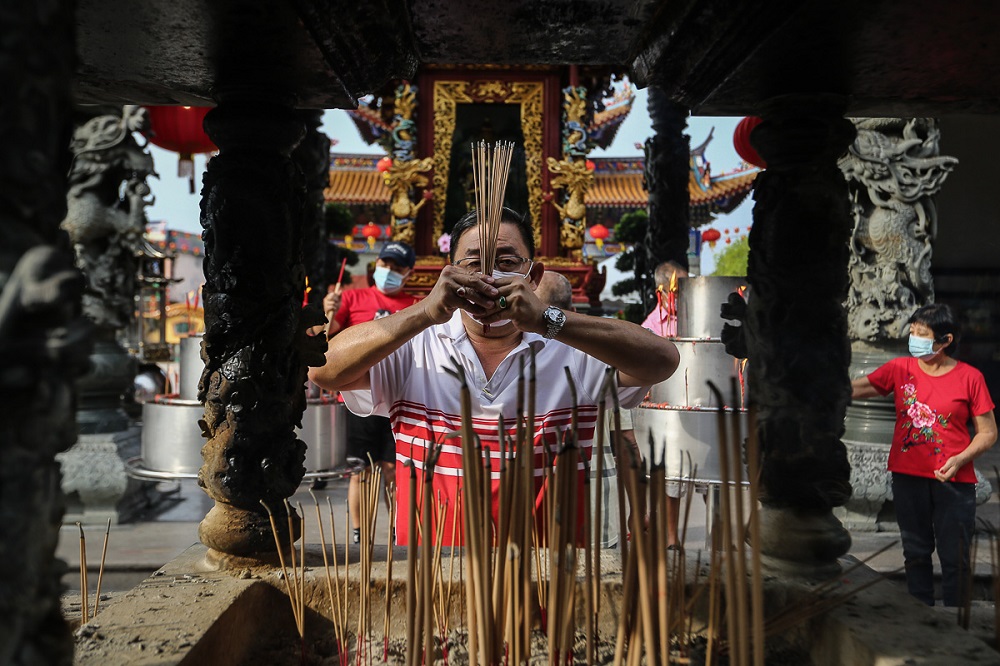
[922, 348]
[387, 281]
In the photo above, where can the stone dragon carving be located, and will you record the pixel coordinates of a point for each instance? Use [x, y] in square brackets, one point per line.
[106, 216]
[893, 169]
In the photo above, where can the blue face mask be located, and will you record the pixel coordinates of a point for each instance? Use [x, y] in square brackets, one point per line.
[922, 348]
[388, 282]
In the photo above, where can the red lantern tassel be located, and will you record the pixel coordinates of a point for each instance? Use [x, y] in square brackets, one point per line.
[185, 169]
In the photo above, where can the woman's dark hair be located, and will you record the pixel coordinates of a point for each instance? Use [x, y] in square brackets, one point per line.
[939, 318]
[468, 221]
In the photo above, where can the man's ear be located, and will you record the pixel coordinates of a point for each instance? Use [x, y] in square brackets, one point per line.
[535, 274]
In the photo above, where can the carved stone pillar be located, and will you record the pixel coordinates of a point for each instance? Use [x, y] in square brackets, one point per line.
[668, 154]
[106, 220]
[893, 169]
[255, 348]
[797, 330]
[44, 342]
[313, 158]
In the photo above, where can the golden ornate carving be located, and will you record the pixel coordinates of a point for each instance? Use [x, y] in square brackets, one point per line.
[529, 95]
[400, 179]
[489, 91]
[406, 101]
[575, 108]
[576, 179]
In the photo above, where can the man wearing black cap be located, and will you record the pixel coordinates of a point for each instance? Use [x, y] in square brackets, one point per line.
[372, 435]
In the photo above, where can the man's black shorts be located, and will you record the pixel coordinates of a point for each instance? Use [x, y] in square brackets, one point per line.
[370, 435]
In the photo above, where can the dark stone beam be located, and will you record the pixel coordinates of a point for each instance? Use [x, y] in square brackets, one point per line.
[255, 346]
[690, 49]
[367, 46]
[796, 329]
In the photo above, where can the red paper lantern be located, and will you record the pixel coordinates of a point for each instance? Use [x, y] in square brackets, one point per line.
[710, 236]
[180, 129]
[371, 231]
[599, 232]
[384, 164]
[741, 141]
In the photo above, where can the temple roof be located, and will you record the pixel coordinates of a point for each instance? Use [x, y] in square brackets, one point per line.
[618, 183]
[354, 180]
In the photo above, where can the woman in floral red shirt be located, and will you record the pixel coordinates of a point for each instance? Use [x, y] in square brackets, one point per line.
[933, 481]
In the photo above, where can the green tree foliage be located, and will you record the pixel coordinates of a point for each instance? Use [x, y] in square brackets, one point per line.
[338, 219]
[631, 229]
[733, 260]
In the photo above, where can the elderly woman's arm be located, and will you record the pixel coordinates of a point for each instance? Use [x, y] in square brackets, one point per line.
[986, 436]
[862, 388]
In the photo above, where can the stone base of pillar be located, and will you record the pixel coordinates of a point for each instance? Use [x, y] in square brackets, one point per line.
[234, 531]
[799, 543]
[94, 479]
[870, 508]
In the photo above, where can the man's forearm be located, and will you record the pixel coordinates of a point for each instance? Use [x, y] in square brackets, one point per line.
[641, 357]
[353, 351]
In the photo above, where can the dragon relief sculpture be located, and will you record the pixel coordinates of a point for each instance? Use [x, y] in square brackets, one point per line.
[106, 216]
[893, 170]
[401, 179]
[576, 179]
[403, 127]
[575, 134]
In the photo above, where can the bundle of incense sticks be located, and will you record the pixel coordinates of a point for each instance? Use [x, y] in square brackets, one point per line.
[490, 168]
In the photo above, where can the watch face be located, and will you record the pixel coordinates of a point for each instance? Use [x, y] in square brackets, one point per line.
[554, 319]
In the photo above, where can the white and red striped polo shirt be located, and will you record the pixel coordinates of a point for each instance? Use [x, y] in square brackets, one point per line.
[424, 404]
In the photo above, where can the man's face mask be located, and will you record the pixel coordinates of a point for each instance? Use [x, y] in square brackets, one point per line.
[387, 281]
[922, 348]
[506, 274]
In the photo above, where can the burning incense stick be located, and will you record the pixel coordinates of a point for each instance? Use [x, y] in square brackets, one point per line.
[290, 590]
[756, 576]
[411, 568]
[84, 594]
[100, 573]
[340, 277]
[334, 610]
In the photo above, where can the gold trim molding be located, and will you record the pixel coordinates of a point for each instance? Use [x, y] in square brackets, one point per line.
[449, 94]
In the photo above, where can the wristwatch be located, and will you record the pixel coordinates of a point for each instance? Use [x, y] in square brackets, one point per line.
[554, 319]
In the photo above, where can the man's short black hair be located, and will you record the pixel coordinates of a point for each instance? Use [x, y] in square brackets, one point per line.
[941, 320]
[507, 215]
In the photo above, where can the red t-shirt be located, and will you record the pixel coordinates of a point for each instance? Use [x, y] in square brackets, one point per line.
[361, 305]
[932, 414]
